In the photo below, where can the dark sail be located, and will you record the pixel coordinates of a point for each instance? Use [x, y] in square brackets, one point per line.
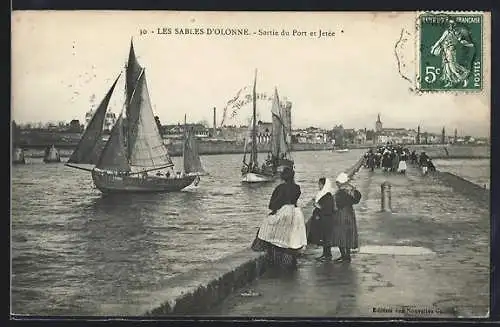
[277, 145]
[90, 146]
[192, 161]
[114, 155]
[132, 75]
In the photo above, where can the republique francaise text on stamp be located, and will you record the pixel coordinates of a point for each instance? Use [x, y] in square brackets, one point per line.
[451, 46]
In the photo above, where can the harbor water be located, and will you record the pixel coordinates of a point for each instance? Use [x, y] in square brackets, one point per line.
[73, 248]
[476, 171]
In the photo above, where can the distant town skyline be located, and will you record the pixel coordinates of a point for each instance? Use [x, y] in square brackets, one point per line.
[344, 80]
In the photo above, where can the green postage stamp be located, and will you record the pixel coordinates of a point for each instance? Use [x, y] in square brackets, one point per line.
[451, 52]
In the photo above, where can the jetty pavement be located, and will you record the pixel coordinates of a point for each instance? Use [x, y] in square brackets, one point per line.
[428, 258]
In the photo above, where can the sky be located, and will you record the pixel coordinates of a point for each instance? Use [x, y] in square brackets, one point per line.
[63, 63]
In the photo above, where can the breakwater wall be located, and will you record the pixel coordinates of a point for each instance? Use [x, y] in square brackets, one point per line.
[454, 151]
[468, 188]
[229, 147]
[204, 148]
[226, 147]
[199, 290]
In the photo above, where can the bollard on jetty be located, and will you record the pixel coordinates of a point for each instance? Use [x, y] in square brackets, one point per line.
[385, 190]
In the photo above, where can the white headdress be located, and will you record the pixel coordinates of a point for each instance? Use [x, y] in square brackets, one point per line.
[327, 188]
[342, 178]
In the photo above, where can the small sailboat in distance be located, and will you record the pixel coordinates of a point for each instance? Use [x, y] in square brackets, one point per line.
[51, 155]
[18, 156]
[190, 153]
[134, 157]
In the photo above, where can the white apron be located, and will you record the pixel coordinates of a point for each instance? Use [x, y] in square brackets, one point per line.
[402, 166]
[286, 228]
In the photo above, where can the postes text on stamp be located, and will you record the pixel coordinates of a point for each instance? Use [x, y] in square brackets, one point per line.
[451, 47]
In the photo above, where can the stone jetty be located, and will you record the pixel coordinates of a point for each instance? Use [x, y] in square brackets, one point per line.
[426, 257]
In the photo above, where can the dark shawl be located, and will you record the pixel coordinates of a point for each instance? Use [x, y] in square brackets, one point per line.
[283, 194]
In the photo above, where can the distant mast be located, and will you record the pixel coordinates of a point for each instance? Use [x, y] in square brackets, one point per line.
[253, 158]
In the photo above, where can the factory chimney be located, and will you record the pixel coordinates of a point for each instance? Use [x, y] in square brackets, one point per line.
[215, 121]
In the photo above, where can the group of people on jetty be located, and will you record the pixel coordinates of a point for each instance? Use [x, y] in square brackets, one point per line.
[283, 233]
[395, 158]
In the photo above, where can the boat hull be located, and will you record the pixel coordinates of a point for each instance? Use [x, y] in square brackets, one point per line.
[342, 150]
[256, 178]
[107, 183]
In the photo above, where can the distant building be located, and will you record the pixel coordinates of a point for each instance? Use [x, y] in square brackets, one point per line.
[393, 135]
[234, 133]
[177, 131]
[378, 125]
[74, 126]
[311, 135]
[109, 120]
[286, 114]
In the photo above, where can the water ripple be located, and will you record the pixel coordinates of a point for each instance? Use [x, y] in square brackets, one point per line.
[73, 248]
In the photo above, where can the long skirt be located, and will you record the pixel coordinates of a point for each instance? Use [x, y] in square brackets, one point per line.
[402, 166]
[282, 235]
[345, 230]
[395, 163]
[320, 231]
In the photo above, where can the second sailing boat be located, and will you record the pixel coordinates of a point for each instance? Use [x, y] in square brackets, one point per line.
[279, 156]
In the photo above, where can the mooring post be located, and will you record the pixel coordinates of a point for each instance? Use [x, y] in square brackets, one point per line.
[385, 190]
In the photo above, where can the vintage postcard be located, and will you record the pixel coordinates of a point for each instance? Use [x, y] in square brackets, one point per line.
[258, 164]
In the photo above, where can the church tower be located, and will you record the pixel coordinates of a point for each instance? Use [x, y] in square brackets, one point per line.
[378, 124]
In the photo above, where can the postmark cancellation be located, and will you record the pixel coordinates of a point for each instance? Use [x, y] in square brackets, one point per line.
[450, 50]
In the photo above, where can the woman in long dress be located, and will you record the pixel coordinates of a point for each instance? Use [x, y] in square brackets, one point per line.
[322, 219]
[283, 232]
[395, 161]
[386, 160]
[345, 231]
[402, 163]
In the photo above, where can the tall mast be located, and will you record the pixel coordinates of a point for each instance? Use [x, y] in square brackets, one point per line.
[254, 132]
[185, 136]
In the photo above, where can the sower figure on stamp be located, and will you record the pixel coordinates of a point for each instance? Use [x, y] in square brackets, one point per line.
[345, 231]
[453, 72]
[321, 232]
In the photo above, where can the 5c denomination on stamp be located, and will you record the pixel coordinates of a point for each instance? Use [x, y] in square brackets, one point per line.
[451, 46]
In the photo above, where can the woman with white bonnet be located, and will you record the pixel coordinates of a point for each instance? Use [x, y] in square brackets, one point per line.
[402, 163]
[345, 231]
[321, 232]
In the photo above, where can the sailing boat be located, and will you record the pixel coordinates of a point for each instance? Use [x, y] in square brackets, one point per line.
[51, 155]
[18, 156]
[280, 152]
[127, 160]
[251, 172]
[190, 153]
